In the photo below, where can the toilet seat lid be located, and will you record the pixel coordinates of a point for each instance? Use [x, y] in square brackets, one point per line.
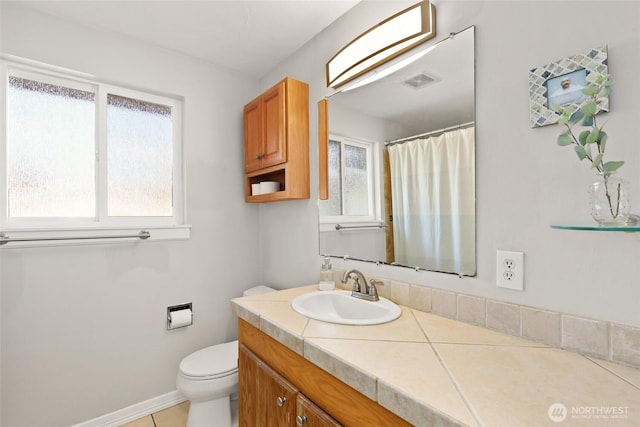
[211, 362]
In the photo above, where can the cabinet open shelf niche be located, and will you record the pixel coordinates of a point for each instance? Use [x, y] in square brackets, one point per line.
[275, 173]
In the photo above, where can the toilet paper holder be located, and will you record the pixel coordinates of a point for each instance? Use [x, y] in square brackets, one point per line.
[177, 315]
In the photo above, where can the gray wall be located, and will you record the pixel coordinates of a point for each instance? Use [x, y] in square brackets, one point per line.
[83, 327]
[525, 182]
[64, 357]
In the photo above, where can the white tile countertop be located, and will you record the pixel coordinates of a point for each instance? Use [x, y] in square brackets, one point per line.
[431, 370]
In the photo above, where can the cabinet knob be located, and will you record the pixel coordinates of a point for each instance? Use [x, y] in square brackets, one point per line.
[259, 156]
[301, 420]
[281, 400]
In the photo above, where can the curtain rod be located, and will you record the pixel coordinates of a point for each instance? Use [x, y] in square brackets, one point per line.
[409, 138]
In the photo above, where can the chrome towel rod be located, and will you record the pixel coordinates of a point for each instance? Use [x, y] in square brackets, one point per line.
[344, 227]
[4, 238]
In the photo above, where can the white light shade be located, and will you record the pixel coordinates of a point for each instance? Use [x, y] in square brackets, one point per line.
[390, 69]
[382, 42]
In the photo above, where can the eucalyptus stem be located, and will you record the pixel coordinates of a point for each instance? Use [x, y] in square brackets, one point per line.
[608, 196]
[584, 114]
[587, 156]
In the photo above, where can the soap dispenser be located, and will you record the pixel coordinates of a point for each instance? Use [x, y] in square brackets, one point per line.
[326, 276]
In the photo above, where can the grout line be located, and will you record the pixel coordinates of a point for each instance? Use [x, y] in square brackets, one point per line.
[457, 386]
[594, 361]
[304, 338]
[521, 327]
[470, 344]
[415, 319]
[153, 420]
[365, 339]
[609, 341]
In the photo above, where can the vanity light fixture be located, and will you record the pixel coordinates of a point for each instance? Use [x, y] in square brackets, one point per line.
[398, 64]
[377, 75]
[382, 43]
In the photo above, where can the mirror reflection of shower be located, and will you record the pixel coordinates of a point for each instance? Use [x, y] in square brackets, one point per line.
[433, 230]
[416, 175]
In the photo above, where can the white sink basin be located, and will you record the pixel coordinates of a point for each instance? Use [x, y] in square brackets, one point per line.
[341, 307]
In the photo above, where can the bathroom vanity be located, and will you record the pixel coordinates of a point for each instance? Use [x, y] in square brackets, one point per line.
[421, 369]
[282, 388]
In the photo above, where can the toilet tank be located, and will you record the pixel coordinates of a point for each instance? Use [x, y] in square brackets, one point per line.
[257, 290]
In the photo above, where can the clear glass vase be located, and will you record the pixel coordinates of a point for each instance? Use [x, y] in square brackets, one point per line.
[609, 199]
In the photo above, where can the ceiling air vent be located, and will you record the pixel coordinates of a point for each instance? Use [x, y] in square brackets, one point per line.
[419, 81]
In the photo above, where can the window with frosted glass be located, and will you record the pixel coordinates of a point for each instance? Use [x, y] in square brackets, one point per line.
[355, 181]
[140, 158]
[50, 150]
[349, 180]
[85, 154]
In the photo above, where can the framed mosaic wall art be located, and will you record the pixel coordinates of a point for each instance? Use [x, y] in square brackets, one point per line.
[561, 83]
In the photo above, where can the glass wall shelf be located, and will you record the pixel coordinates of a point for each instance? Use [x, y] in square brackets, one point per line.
[596, 227]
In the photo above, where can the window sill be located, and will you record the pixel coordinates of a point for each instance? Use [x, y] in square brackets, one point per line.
[34, 237]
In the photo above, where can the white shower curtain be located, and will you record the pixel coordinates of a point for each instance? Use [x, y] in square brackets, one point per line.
[433, 196]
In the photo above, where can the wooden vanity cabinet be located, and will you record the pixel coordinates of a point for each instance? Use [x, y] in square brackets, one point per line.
[276, 141]
[269, 400]
[264, 129]
[321, 399]
[308, 414]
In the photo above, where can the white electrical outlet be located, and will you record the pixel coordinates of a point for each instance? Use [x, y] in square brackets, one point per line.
[510, 270]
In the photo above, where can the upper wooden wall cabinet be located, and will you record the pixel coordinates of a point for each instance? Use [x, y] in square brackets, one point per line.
[276, 141]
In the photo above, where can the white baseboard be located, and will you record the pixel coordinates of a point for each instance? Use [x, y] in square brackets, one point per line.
[133, 412]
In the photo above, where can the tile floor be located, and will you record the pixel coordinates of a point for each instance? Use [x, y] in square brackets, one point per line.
[175, 416]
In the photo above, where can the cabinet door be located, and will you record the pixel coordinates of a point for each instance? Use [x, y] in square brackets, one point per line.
[274, 119]
[253, 136]
[248, 387]
[266, 399]
[279, 399]
[308, 414]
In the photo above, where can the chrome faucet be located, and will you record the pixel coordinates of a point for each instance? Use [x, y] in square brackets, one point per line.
[359, 289]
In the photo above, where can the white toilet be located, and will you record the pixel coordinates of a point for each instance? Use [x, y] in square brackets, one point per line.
[208, 378]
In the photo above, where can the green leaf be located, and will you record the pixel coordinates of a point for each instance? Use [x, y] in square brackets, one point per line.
[603, 140]
[588, 121]
[589, 108]
[577, 116]
[604, 92]
[582, 138]
[590, 91]
[609, 167]
[581, 152]
[568, 110]
[597, 160]
[564, 139]
[593, 136]
[563, 120]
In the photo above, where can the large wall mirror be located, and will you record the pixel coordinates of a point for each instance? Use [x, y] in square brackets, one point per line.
[401, 155]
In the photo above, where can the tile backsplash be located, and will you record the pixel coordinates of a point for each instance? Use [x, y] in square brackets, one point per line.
[605, 340]
[540, 325]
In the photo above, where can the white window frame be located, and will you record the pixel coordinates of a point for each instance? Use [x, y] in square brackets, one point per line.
[96, 230]
[373, 218]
